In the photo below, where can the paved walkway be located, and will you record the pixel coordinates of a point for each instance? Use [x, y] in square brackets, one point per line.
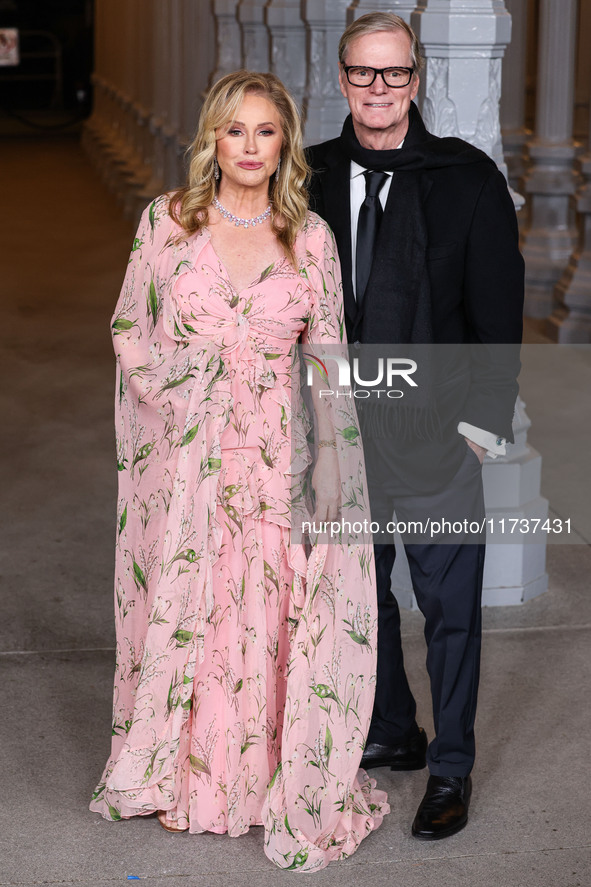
[64, 248]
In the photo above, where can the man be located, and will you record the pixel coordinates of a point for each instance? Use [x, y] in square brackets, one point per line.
[427, 238]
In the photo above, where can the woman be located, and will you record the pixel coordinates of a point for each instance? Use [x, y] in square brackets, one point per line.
[245, 670]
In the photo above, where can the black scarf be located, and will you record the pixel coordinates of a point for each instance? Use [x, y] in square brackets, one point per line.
[397, 301]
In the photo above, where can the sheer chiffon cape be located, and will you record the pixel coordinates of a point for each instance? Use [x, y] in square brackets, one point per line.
[175, 398]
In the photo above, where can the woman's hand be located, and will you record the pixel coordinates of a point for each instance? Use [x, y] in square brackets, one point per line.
[326, 482]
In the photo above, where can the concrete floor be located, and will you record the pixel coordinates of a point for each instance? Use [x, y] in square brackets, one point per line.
[64, 248]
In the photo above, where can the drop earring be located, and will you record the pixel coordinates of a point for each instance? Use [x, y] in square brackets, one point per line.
[216, 169]
[278, 168]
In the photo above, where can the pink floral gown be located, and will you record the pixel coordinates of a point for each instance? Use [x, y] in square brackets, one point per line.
[245, 668]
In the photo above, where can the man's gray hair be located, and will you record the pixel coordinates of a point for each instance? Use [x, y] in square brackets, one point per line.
[380, 21]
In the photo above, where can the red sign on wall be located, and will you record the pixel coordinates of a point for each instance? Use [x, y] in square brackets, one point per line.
[9, 54]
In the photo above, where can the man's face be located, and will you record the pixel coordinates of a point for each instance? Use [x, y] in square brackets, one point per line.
[379, 111]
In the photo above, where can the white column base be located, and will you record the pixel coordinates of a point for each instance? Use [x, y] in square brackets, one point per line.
[514, 572]
[492, 596]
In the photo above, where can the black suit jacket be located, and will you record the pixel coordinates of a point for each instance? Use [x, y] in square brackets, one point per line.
[476, 276]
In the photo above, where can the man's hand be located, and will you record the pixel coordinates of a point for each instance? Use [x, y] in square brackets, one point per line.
[326, 481]
[480, 451]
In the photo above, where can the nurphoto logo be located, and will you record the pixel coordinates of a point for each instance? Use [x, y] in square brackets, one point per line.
[350, 384]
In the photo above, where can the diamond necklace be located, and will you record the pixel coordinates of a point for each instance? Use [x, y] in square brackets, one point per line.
[244, 223]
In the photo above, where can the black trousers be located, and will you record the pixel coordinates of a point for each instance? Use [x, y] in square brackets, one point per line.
[447, 581]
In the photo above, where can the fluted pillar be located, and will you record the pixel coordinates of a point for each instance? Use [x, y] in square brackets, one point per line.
[95, 127]
[111, 64]
[583, 73]
[109, 135]
[255, 35]
[159, 109]
[173, 88]
[136, 111]
[145, 86]
[153, 60]
[513, 126]
[193, 45]
[570, 322]
[228, 43]
[288, 45]
[463, 42]
[200, 57]
[325, 106]
[128, 169]
[125, 84]
[552, 180]
[403, 8]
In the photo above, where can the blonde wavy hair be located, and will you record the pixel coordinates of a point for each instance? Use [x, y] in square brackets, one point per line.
[287, 189]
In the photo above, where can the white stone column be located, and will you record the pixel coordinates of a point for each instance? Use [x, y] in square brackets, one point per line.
[583, 73]
[122, 157]
[403, 8]
[174, 77]
[513, 127]
[255, 35]
[109, 67]
[146, 41]
[158, 110]
[552, 181]
[229, 50]
[463, 42]
[97, 122]
[325, 106]
[94, 129]
[570, 322]
[153, 63]
[200, 53]
[144, 94]
[107, 136]
[177, 65]
[135, 86]
[288, 45]
[127, 85]
[138, 161]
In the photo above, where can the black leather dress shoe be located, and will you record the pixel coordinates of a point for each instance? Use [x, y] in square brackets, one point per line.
[444, 809]
[409, 755]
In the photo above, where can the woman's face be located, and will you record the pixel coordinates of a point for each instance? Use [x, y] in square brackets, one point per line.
[248, 148]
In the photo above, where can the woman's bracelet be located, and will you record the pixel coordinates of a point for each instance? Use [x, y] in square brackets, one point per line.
[327, 443]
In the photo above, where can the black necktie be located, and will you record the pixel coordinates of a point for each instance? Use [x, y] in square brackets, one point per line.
[370, 216]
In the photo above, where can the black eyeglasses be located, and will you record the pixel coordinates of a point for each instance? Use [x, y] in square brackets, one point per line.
[362, 75]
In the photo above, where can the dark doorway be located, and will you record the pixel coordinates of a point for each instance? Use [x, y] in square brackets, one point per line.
[56, 56]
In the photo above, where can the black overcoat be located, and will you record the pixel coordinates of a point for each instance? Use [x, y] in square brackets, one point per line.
[476, 276]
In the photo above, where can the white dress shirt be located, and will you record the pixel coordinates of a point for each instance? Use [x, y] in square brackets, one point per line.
[494, 446]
